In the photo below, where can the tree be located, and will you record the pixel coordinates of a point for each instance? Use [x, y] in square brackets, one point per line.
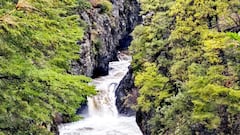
[37, 44]
[187, 41]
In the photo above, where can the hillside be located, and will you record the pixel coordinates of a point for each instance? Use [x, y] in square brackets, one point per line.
[186, 61]
[184, 77]
[37, 43]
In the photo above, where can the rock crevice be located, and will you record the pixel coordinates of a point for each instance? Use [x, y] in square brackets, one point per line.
[102, 37]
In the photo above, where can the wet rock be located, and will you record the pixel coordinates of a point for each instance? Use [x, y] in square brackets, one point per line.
[82, 109]
[126, 95]
[142, 119]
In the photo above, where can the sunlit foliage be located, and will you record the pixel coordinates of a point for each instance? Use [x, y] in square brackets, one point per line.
[195, 51]
[37, 43]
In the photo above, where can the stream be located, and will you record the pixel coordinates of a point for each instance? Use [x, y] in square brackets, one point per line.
[102, 117]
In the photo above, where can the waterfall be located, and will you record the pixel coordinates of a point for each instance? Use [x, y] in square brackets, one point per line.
[103, 117]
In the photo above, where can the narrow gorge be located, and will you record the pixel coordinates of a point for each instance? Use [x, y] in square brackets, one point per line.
[102, 117]
[104, 56]
[103, 36]
[119, 67]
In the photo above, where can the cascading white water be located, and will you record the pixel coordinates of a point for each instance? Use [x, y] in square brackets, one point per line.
[103, 118]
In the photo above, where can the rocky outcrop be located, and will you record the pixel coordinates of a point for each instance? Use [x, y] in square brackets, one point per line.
[102, 37]
[126, 95]
[142, 119]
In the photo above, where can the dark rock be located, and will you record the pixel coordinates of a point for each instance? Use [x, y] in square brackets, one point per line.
[125, 42]
[126, 95]
[82, 109]
[142, 119]
[104, 31]
[102, 68]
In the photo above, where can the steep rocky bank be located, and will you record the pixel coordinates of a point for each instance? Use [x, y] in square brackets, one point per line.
[103, 36]
[126, 94]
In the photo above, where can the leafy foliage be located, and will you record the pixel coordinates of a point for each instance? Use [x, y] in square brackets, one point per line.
[105, 5]
[37, 44]
[154, 87]
[186, 42]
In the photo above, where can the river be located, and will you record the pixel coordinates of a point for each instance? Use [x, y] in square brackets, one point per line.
[102, 117]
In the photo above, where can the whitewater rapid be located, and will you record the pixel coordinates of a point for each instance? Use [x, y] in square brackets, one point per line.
[102, 117]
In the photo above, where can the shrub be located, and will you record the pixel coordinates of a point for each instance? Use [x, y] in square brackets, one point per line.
[84, 4]
[106, 6]
[35, 57]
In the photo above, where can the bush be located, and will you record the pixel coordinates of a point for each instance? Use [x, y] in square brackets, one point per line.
[106, 6]
[84, 4]
[35, 57]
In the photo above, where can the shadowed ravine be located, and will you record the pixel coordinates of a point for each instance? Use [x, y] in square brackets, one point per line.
[102, 117]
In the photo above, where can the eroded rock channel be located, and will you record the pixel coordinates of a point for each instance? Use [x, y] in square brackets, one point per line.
[104, 57]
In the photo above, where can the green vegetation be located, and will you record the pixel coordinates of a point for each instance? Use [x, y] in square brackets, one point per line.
[106, 6]
[83, 4]
[37, 43]
[187, 66]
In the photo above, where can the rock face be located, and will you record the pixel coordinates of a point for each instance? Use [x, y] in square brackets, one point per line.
[102, 37]
[142, 119]
[106, 34]
[126, 95]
